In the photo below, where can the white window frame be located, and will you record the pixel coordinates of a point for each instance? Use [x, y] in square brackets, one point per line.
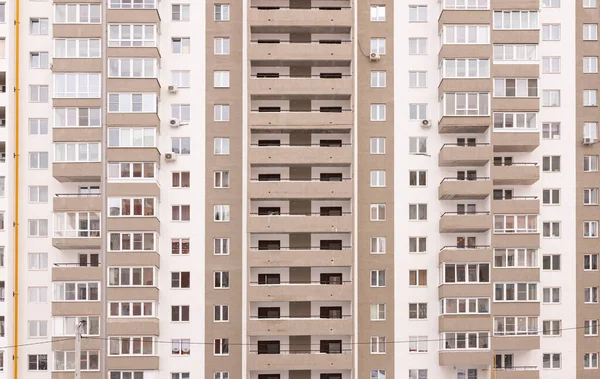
[77, 48]
[377, 13]
[147, 32]
[378, 79]
[551, 32]
[466, 68]
[516, 289]
[378, 178]
[222, 46]
[377, 145]
[472, 34]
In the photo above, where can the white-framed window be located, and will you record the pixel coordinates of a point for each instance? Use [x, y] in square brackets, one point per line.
[417, 112]
[590, 196]
[37, 362]
[466, 104]
[221, 146]
[378, 46]
[221, 179]
[180, 246]
[551, 262]
[590, 361]
[180, 213]
[221, 213]
[513, 292]
[551, 196]
[77, 13]
[417, 13]
[590, 262]
[590, 130]
[417, 178]
[377, 178]
[221, 12]
[516, 20]
[590, 97]
[180, 12]
[417, 79]
[218, 375]
[221, 79]
[378, 345]
[77, 48]
[417, 278]
[2, 186]
[515, 257]
[65, 360]
[180, 313]
[551, 295]
[551, 328]
[551, 32]
[417, 244]
[466, 34]
[37, 295]
[465, 341]
[521, 223]
[132, 68]
[132, 241]
[136, 4]
[417, 344]
[132, 309]
[417, 212]
[38, 59]
[38, 26]
[378, 212]
[221, 246]
[378, 79]
[417, 145]
[132, 102]
[590, 3]
[590, 295]
[378, 374]
[181, 145]
[590, 32]
[551, 130]
[551, 229]
[466, 68]
[180, 279]
[36, 228]
[515, 120]
[37, 328]
[590, 229]
[222, 45]
[466, 5]
[551, 360]
[38, 93]
[551, 163]
[38, 194]
[378, 112]
[590, 65]
[377, 13]
[37, 261]
[132, 35]
[378, 145]
[520, 87]
[131, 171]
[590, 328]
[125, 346]
[520, 52]
[221, 280]
[377, 278]
[551, 65]
[590, 163]
[221, 112]
[550, 3]
[76, 291]
[131, 137]
[76, 117]
[465, 273]
[417, 46]
[221, 313]
[132, 276]
[377, 312]
[378, 245]
[128, 374]
[221, 346]
[515, 325]
[459, 306]
[417, 311]
[38, 160]
[181, 112]
[76, 152]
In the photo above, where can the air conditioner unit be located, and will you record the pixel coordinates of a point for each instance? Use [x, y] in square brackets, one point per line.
[174, 123]
[374, 57]
[170, 157]
[173, 89]
[588, 140]
[426, 123]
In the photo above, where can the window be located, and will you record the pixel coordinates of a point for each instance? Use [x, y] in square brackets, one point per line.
[417, 145]
[377, 178]
[551, 295]
[221, 146]
[180, 45]
[417, 278]
[550, 32]
[77, 48]
[131, 171]
[180, 213]
[181, 112]
[180, 12]
[38, 26]
[515, 87]
[378, 345]
[511, 121]
[551, 360]
[127, 35]
[77, 13]
[221, 313]
[221, 213]
[131, 346]
[590, 98]
[377, 112]
[221, 279]
[221, 346]
[2, 186]
[551, 65]
[377, 212]
[180, 313]
[128, 4]
[550, 3]
[466, 373]
[551, 130]
[417, 244]
[551, 262]
[38, 126]
[131, 137]
[590, 328]
[455, 306]
[466, 68]
[513, 326]
[221, 112]
[417, 311]
[466, 34]
[37, 362]
[590, 65]
[590, 130]
[377, 374]
[590, 262]
[221, 246]
[67, 325]
[590, 32]
[515, 257]
[221, 79]
[180, 246]
[464, 341]
[417, 112]
[132, 241]
[377, 245]
[2, 20]
[131, 276]
[417, 79]
[417, 46]
[36, 329]
[377, 312]
[38, 194]
[551, 163]
[466, 104]
[221, 179]
[37, 228]
[378, 145]
[417, 344]
[221, 12]
[377, 13]
[378, 79]
[38, 93]
[76, 291]
[466, 5]
[129, 374]
[377, 278]
[65, 360]
[590, 163]
[218, 375]
[516, 20]
[551, 197]
[132, 68]
[590, 196]
[466, 273]
[180, 279]
[222, 46]
[551, 328]
[132, 309]
[590, 3]
[551, 229]
[417, 13]
[132, 102]
[513, 292]
[181, 145]
[590, 361]
[37, 295]
[76, 117]
[590, 295]
[519, 52]
[590, 229]
[38, 59]
[69, 152]
[378, 46]
[417, 212]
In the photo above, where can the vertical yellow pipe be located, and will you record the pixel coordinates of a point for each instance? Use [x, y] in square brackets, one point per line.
[16, 211]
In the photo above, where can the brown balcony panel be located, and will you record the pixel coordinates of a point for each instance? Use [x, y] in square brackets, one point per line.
[79, 1]
[126, 363]
[76, 308]
[523, 206]
[464, 85]
[515, 174]
[141, 16]
[299, 120]
[133, 224]
[464, 124]
[449, 51]
[515, 70]
[464, 189]
[300, 292]
[515, 36]
[300, 155]
[300, 258]
[77, 134]
[530, 240]
[76, 65]
[77, 103]
[306, 224]
[134, 52]
[466, 358]
[465, 323]
[62, 343]
[133, 189]
[300, 51]
[507, 104]
[517, 373]
[515, 308]
[132, 327]
[471, 17]
[84, 374]
[300, 86]
[291, 327]
[278, 362]
[76, 243]
[452, 156]
[465, 255]
[133, 85]
[300, 190]
[133, 154]
[515, 141]
[516, 274]
[510, 343]
[75, 273]
[132, 119]
[515, 4]
[466, 223]
[67, 203]
[77, 172]
[295, 17]
[133, 259]
[128, 293]
[465, 290]
[77, 31]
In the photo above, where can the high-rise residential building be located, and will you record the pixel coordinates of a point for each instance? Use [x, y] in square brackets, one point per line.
[299, 189]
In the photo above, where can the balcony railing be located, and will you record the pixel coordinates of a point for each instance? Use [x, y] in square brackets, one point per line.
[274, 110]
[466, 144]
[317, 317]
[465, 213]
[315, 214]
[300, 351]
[277, 7]
[466, 179]
[310, 248]
[319, 42]
[516, 368]
[515, 164]
[515, 198]
[301, 180]
[285, 145]
[78, 195]
[310, 283]
[77, 264]
[314, 77]
[465, 247]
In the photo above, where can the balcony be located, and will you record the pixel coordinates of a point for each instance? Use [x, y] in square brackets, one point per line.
[77, 134]
[516, 205]
[137, 258]
[309, 86]
[133, 327]
[145, 189]
[515, 174]
[455, 189]
[79, 308]
[133, 154]
[133, 224]
[516, 274]
[511, 343]
[313, 291]
[466, 323]
[517, 372]
[460, 254]
[523, 240]
[516, 308]
[310, 51]
[313, 119]
[515, 141]
[66, 272]
[142, 16]
[466, 358]
[295, 154]
[77, 172]
[298, 326]
[474, 222]
[452, 155]
[464, 124]
[73, 202]
[300, 257]
[141, 363]
[300, 189]
[286, 360]
[313, 16]
[311, 223]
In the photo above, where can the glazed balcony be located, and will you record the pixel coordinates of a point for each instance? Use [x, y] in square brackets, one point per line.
[312, 291]
[309, 223]
[476, 155]
[299, 325]
[458, 189]
[467, 222]
[73, 202]
[466, 254]
[300, 154]
[515, 174]
[313, 16]
[515, 141]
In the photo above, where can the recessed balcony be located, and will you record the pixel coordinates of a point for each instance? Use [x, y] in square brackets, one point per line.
[314, 119]
[79, 134]
[515, 174]
[301, 189]
[464, 124]
[515, 141]
[287, 360]
[516, 205]
[77, 171]
[517, 372]
[474, 188]
[466, 254]
[67, 272]
[299, 325]
[73, 202]
[467, 222]
[476, 155]
[310, 51]
[310, 223]
[299, 257]
[517, 343]
[291, 86]
[313, 291]
[300, 154]
[274, 15]
[466, 358]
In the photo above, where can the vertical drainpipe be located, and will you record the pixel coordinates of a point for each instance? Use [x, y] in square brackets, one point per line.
[103, 194]
[16, 211]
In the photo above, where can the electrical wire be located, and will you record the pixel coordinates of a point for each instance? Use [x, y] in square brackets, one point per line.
[35, 343]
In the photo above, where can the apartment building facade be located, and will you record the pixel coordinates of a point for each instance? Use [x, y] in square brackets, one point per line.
[299, 189]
